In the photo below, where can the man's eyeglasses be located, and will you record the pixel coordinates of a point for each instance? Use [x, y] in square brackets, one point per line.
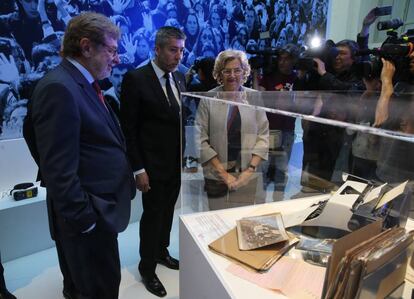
[111, 50]
[228, 72]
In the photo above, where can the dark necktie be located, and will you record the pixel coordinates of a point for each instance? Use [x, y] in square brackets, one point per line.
[233, 134]
[98, 90]
[172, 100]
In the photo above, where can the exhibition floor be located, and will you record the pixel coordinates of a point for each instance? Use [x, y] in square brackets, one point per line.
[37, 276]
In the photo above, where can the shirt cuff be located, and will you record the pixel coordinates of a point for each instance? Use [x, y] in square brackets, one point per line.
[89, 229]
[142, 170]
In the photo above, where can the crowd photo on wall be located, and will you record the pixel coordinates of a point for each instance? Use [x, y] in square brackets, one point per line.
[31, 32]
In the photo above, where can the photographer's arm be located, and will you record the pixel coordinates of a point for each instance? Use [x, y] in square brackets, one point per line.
[387, 89]
[368, 21]
[256, 80]
[363, 36]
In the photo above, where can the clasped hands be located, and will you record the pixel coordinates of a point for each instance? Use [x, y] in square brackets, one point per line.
[234, 183]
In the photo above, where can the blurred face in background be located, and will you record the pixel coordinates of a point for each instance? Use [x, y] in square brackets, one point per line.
[243, 37]
[343, 62]
[206, 37]
[30, 8]
[116, 79]
[285, 63]
[192, 24]
[143, 49]
[250, 19]
[215, 20]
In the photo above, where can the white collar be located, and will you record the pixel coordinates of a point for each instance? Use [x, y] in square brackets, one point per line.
[159, 72]
[88, 76]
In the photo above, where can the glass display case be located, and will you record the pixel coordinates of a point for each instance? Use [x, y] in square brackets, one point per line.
[248, 148]
[331, 163]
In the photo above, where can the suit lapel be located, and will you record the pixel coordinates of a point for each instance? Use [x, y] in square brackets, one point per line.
[179, 84]
[92, 97]
[156, 85]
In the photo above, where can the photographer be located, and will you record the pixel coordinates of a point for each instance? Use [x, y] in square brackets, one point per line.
[343, 75]
[365, 146]
[325, 147]
[394, 111]
[281, 127]
[204, 70]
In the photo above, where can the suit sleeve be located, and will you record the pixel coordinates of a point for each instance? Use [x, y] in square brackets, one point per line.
[56, 121]
[130, 123]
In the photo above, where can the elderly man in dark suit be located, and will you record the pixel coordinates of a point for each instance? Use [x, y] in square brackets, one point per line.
[78, 144]
[4, 293]
[150, 119]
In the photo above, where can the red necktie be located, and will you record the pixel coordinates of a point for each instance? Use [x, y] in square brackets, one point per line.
[98, 90]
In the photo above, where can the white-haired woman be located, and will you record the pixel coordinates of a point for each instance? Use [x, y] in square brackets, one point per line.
[233, 139]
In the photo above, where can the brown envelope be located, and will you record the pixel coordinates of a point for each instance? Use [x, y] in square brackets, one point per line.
[260, 259]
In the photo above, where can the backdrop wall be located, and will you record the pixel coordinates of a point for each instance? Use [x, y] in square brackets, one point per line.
[31, 33]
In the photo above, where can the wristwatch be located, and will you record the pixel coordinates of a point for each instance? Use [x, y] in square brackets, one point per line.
[252, 167]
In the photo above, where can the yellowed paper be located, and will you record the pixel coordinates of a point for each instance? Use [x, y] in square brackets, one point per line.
[390, 195]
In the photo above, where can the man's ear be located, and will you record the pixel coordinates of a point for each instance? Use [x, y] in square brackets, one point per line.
[157, 50]
[86, 47]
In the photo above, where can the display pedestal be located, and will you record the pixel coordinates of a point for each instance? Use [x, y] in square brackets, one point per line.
[24, 226]
[203, 273]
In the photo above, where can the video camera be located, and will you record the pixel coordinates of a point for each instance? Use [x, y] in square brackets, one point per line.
[263, 58]
[395, 48]
[326, 53]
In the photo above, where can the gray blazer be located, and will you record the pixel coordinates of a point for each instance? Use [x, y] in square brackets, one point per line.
[211, 122]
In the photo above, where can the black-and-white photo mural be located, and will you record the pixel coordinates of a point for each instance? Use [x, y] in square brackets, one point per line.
[31, 32]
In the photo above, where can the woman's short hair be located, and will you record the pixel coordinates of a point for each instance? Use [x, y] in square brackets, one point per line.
[226, 56]
[91, 25]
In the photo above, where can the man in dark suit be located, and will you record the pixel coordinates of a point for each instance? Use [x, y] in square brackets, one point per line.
[78, 144]
[150, 119]
[4, 293]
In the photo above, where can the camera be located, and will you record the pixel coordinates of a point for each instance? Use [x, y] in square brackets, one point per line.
[196, 65]
[263, 58]
[396, 49]
[326, 53]
[393, 24]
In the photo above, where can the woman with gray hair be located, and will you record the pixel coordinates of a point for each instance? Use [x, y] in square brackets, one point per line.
[233, 139]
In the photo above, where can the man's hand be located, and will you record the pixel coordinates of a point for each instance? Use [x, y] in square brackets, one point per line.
[320, 66]
[142, 182]
[387, 72]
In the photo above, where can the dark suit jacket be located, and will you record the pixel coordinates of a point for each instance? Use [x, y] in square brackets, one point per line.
[81, 153]
[152, 129]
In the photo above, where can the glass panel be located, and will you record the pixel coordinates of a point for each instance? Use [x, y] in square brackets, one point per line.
[283, 145]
